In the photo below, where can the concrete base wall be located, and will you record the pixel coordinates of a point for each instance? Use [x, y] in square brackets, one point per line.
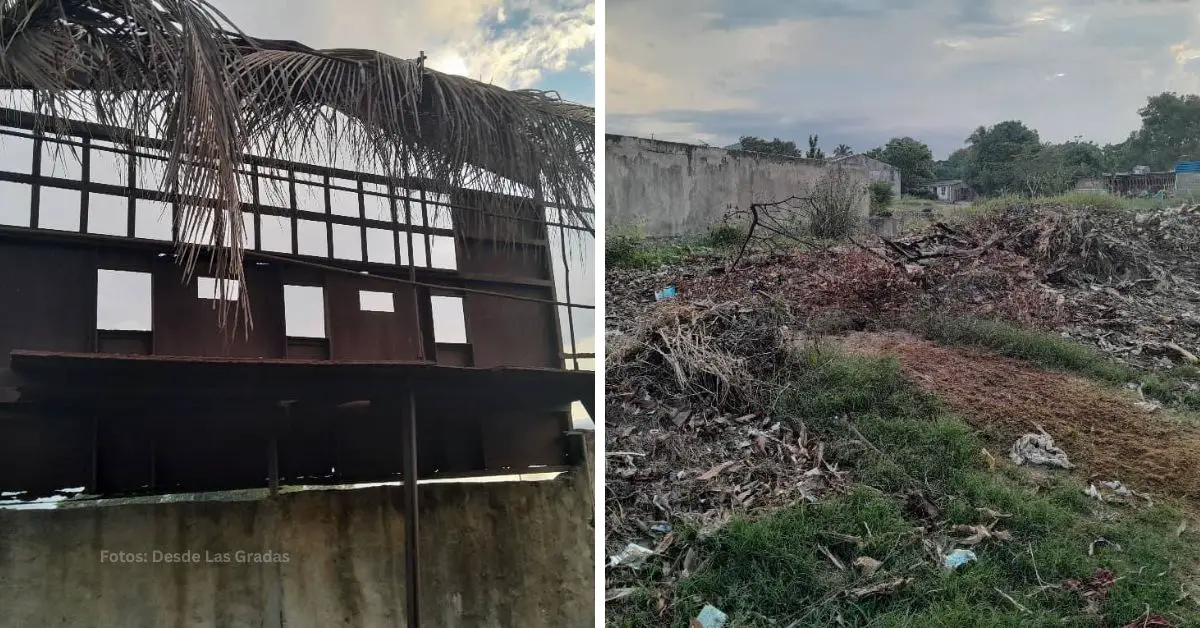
[502, 555]
[671, 189]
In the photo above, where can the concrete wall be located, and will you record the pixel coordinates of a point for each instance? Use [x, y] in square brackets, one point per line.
[876, 170]
[502, 555]
[1187, 184]
[672, 189]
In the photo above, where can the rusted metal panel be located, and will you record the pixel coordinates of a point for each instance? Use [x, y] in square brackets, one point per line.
[171, 422]
[497, 217]
[503, 260]
[454, 355]
[185, 324]
[358, 334]
[124, 455]
[305, 452]
[518, 441]
[374, 449]
[508, 332]
[47, 296]
[449, 441]
[208, 452]
[44, 453]
[125, 342]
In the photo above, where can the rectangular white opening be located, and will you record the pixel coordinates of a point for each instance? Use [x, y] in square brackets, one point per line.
[311, 238]
[15, 203]
[151, 171]
[207, 288]
[108, 166]
[123, 300]
[343, 202]
[381, 248]
[152, 220]
[59, 209]
[379, 207]
[442, 252]
[369, 301]
[347, 242]
[449, 321]
[108, 214]
[420, 258]
[62, 160]
[276, 234]
[16, 152]
[438, 211]
[304, 311]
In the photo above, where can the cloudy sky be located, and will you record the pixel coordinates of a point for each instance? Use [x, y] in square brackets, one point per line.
[861, 71]
[544, 44]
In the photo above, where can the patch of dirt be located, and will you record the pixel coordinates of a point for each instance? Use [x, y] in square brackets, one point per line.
[1102, 430]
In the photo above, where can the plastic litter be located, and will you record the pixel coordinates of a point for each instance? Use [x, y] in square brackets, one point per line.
[1039, 449]
[661, 528]
[633, 556]
[957, 558]
[710, 617]
[665, 293]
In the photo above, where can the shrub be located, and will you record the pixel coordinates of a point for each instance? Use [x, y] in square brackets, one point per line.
[881, 198]
[724, 236]
[831, 205]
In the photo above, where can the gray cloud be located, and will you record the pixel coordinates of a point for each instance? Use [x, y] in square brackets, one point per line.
[863, 72]
[737, 13]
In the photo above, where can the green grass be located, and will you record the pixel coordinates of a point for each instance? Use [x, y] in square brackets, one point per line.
[1058, 353]
[768, 569]
[628, 247]
[1075, 200]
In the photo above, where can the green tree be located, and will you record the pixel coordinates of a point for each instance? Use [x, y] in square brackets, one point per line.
[774, 146]
[953, 167]
[992, 156]
[813, 151]
[912, 157]
[842, 150]
[1170, 131]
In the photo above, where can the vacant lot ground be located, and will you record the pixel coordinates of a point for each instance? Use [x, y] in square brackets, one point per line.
[803, 440]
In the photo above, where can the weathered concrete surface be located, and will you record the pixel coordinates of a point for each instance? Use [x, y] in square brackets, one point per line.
[876, 170]
[502, 555]
[670, 189]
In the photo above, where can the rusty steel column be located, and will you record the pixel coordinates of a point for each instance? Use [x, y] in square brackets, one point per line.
[411, 511]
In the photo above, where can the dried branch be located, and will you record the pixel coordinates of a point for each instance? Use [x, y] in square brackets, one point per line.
[826, 212]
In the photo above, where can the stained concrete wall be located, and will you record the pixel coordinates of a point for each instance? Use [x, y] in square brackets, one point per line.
[494, 555]
[876, 170]
[670, 189]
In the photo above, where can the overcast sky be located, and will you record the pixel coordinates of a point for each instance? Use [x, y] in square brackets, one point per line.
[862, 71]
[544, 44]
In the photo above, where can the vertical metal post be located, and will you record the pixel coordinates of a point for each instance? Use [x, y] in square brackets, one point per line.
[411, 510]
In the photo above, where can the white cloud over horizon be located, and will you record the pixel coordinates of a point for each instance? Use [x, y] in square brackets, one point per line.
[862, 71]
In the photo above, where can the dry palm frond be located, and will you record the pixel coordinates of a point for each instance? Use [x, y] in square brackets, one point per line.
[180, 69]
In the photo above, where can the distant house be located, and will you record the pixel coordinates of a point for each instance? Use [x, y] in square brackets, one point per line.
[879, 171]
[952, 191]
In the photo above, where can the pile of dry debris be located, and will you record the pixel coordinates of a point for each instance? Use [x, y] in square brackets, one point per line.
[684, 440]
[1128, 283]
